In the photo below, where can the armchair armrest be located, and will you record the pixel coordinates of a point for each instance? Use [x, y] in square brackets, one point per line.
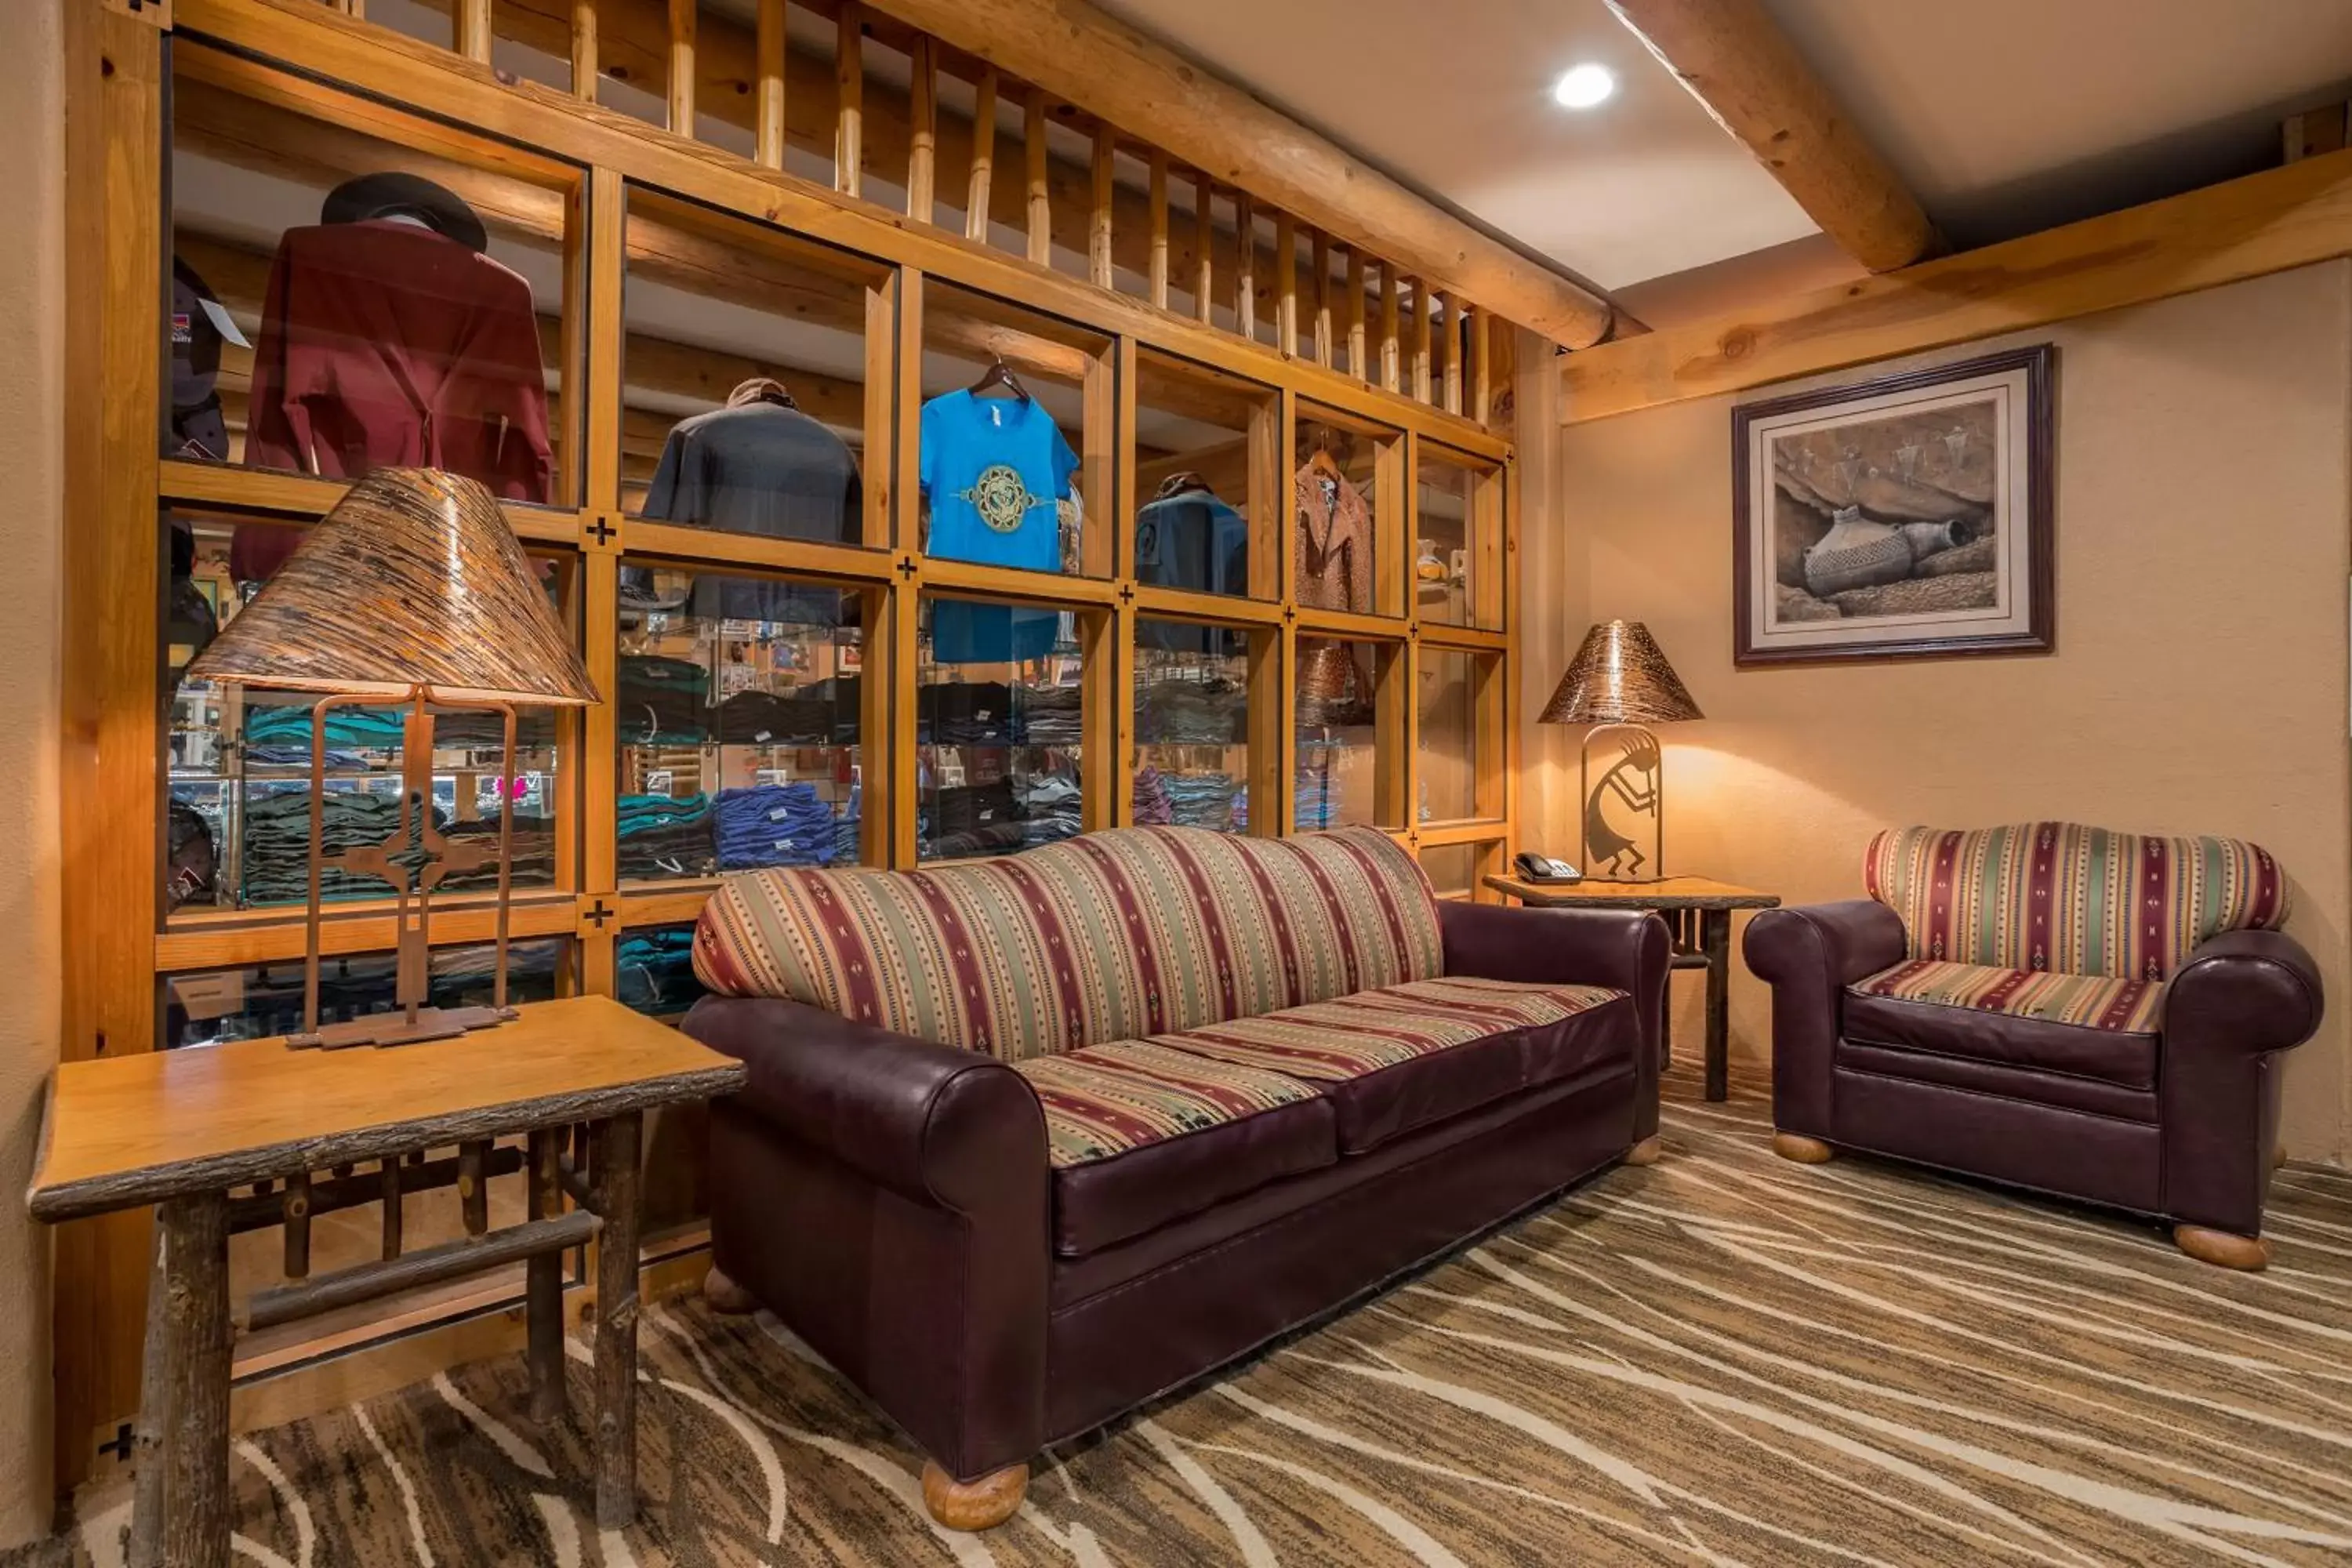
[1809, 955]
[1830, 945]
[2248, 992]
[930, 1123]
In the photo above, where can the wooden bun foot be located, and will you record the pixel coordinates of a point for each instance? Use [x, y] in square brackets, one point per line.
[1804, 1151]
[1645, 1152]
[726, 1298]
[974, 1505]
[2222, 1248]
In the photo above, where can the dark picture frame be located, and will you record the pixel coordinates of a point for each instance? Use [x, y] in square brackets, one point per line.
[1880, 537]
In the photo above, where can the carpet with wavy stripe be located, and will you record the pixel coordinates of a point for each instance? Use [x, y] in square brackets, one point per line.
[1721, 1359]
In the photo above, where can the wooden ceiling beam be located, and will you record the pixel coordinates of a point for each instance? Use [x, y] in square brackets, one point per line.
[2264, 223]
[1742, 68]
[1082, 54]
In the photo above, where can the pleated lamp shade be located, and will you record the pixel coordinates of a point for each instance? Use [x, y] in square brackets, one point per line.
[415, 579]
[1620, 676]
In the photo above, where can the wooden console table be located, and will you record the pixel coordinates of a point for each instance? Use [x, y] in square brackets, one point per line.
[181, 1128]
[1684, 902]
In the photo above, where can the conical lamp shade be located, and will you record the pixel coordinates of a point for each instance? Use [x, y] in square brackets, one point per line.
[1620, 676]
[415, 579]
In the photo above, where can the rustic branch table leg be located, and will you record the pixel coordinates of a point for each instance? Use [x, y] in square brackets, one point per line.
[149, 1502]
[1717, 928]
[616, 1141]
[196, 1337]
[544, 1310]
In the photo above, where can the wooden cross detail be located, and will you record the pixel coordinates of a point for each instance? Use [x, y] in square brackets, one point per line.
[1126, 592]
[597, 914]
[907, 567]
[121, 1447]
[601, 532]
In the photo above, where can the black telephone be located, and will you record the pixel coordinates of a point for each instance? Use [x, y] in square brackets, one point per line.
[1544, 868]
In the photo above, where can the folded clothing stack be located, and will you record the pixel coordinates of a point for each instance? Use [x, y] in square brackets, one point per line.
[1175, 712]
[964, 713]
[971, 820]
[1150, 806]
[286, 729]
[662, 701]
[765, 719]
[277, 869]
[665, 836]
[656, 970]
[532, 853]
[1204, 800]
[773, 824]
[1050, 810]
[1050, 715]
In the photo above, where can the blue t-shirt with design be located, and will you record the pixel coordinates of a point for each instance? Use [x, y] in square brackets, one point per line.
[993, 469]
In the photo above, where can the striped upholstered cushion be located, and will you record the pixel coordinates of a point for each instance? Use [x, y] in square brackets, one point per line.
[1351, 1036]
[2093, 1001]
[2059, 895]
[1111, 936]
[1108, 1100]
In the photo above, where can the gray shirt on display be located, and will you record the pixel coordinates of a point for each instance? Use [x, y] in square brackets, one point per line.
[759, 468]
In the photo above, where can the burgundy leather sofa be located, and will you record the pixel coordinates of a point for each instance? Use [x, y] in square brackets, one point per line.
[898, 1202]
[2098, 1015]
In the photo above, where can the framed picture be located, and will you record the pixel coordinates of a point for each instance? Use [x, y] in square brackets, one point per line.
[1902, 518]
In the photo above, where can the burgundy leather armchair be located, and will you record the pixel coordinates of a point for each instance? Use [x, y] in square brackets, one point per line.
[1954, 1019]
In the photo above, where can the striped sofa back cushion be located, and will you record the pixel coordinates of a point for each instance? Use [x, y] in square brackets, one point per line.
[2078, 900]
[1109, 936]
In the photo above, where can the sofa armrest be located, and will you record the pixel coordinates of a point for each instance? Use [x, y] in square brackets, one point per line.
[930, 1123]
[1809, 955]
[2246, 992]
[1626, 950]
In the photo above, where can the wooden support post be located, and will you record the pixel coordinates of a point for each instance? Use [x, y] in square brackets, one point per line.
[1040, 201]
[584, 50]
[1322, 296]
[681, 66]
[149, 1501]
[983, 157]
[1482, 364]
[1155, 273]
[1451, 349]
[1098, 224]
[768, 120]
[1245, 265]
[922, 129]
[1358, 366]
[197, 1336]
[1425, 307]
[474, 1186]
[1392, 377]
[474, 30]
[543, 1301]
[294, 1215]
[1204, 245]
[1285, 283]
[849, 83]
[388, 1190]
[615, 1142]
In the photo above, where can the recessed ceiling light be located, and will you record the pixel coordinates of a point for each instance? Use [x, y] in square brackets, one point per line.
[1584, 86]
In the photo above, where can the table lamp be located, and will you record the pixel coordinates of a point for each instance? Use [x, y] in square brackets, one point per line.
[1620, 683]
[415, 589]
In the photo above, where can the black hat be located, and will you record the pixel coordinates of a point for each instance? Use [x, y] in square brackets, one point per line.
[395, 192]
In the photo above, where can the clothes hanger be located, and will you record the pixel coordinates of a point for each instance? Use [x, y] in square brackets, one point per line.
[1000, 374]
[1321, 460]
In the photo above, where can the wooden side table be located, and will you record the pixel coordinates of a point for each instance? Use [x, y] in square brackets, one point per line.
[181, 1128]
[1684, 902]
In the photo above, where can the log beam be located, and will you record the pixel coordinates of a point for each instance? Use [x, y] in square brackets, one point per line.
[1077, 52]
[2263, 223]
[1744, 71]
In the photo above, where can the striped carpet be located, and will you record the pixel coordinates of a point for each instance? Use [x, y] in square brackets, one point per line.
[1722, 1359]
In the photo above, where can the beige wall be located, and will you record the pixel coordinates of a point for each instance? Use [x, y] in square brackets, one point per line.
[32, 287]
[2204, 507]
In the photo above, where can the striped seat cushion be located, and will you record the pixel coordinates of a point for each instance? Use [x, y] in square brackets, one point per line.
[2087, 1001]
[1110, 936]
[2064, 897]
[1348, 1037]
[1112, 1100]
